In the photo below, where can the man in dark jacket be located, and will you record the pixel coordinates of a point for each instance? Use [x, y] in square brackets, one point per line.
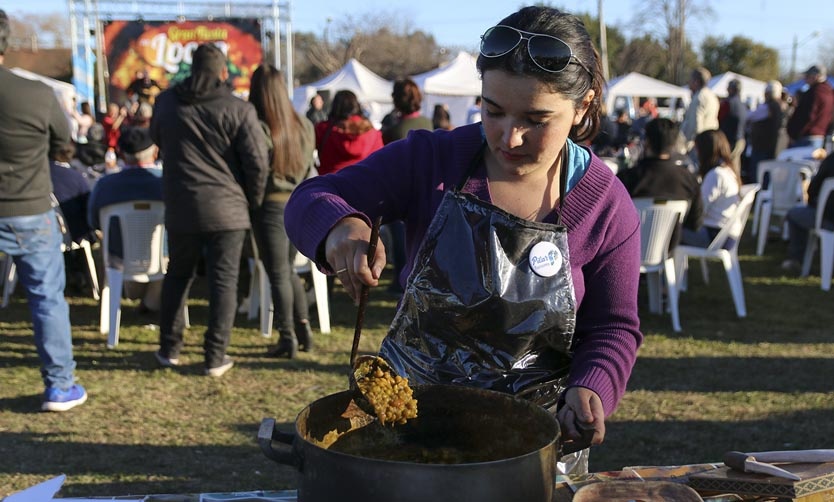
[31, 121]
[661, 174]
[814, 110]
[215, 171]
[732, 120]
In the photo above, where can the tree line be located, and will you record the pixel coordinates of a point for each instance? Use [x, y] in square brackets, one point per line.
[390, 45]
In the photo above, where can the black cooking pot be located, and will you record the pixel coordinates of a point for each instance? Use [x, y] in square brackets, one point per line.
[465, 444]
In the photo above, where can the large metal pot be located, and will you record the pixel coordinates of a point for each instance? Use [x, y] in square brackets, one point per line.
[497, 448]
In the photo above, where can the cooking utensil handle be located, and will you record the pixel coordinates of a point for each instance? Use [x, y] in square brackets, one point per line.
[268, 433]
[363, 295]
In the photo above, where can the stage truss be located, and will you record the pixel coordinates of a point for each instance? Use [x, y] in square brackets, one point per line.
[86, 32]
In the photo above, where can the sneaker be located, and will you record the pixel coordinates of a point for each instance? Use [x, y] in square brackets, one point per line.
[219, 371]
[166, 362]
[791, 266]
[55, 399]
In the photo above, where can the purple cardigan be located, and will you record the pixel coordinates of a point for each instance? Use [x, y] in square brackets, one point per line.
[406, 180]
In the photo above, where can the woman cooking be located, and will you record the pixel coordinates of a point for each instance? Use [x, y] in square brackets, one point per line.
[523, 248]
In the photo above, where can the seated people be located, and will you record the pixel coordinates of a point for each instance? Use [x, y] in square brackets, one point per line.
[802, 218]
[72, 190]
[659, 174]
[140, 179]
[720, 186]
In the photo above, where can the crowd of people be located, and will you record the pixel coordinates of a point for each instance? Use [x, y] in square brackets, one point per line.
[718, 146]
[522, 189]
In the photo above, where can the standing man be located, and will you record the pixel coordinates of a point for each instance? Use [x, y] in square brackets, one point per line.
[215, 159]
[812, 117]
[32, 122]
[702, 113]
[732, 120]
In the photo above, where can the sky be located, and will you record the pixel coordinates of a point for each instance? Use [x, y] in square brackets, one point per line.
[459, 23]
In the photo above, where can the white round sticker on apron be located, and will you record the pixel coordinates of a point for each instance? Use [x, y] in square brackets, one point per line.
[545, 259]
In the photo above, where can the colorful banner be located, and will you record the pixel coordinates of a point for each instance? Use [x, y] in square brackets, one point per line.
[163, 49]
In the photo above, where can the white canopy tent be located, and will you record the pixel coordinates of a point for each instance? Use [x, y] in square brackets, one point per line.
[63, 91]
[373, 91]
[621, 91]
[751, 90]
[454, 84]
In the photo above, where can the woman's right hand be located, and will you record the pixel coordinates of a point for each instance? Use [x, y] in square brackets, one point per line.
[346, 251]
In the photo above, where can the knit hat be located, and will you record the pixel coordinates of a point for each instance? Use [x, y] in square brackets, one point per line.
[207, 58]
[135, 140]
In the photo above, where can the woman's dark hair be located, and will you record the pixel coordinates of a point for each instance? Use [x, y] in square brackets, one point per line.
[714, 150]
[573, 82]
[661, 135]
[64, 152]
[268, 93]
[407, 96]
[345, 105]
[440, 117]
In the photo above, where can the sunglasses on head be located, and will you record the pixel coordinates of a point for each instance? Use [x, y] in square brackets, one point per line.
[547, 52]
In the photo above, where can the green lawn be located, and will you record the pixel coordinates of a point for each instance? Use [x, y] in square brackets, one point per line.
[764, 382]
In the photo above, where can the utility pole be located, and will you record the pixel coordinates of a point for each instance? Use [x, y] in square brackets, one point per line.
[603, 41]
[681, 39]
[795, 46]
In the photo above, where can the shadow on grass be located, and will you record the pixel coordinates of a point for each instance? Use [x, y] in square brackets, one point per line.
[147, 469]
[733, 374]
[678, 442]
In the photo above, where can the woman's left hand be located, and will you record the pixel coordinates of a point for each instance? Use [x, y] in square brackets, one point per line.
[581, 415]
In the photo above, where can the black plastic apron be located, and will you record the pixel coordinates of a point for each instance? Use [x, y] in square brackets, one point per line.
[476, 313]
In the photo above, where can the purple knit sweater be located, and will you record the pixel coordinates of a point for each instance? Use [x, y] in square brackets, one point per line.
[406, 180]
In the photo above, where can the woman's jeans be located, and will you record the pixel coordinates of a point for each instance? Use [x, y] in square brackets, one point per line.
[289, 299]
[35, 244]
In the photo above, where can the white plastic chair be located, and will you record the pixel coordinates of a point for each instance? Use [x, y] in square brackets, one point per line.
[766, 194]
[260, 294]
[657, 224]
[729, 258]
[10, 271]
[785, 190]
[144, 256]
[825, 237]
[9, 278]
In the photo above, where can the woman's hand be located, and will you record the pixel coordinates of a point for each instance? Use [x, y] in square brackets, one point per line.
[582, 416]
[346, 251]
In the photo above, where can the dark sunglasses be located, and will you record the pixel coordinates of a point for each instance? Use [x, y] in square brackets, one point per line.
[548, 52]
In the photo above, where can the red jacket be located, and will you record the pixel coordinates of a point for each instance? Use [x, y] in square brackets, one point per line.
[345, 143]
[813, 112]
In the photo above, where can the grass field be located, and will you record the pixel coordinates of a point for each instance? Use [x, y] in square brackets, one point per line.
[760, 383]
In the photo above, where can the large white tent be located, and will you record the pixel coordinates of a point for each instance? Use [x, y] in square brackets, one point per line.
[63, 91]
[621, 90]
[373, 91]
[751, 90]
[454, 84]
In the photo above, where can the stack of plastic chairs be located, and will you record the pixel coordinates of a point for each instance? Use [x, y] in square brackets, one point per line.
[658, 219]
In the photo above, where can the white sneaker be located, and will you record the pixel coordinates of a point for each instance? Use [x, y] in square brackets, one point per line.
[791, 266]
[166, 362]
[219, 371]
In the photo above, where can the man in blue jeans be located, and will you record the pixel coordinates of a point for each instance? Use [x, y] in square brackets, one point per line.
[31, 121]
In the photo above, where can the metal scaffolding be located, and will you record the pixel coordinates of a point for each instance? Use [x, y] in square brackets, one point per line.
[86, 32]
